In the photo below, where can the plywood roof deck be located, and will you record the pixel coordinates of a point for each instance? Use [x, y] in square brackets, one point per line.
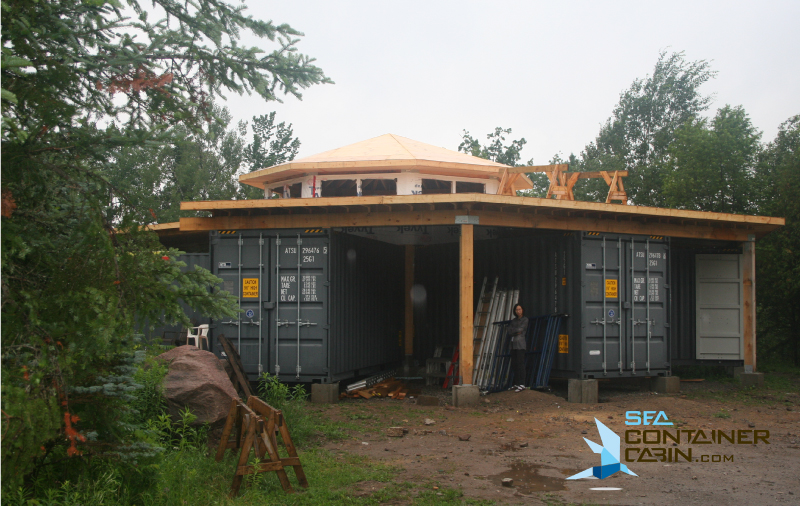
[385, 154]
[492, 210]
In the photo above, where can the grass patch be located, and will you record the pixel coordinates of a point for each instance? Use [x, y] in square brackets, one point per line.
[722, 414]
[186, 472]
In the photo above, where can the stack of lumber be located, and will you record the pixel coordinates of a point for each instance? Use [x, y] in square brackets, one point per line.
[391, 388]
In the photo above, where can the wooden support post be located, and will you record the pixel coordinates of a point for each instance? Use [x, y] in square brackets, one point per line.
[749, 283]
[409, 316]
[466, 306]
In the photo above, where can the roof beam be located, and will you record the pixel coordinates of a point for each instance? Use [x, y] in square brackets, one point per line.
[447, 217]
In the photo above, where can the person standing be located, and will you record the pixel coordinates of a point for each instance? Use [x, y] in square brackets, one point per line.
[517, 330]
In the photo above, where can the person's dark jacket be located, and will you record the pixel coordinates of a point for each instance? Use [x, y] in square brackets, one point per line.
[517, 330]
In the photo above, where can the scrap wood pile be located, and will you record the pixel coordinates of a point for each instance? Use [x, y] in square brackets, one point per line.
[381, 385]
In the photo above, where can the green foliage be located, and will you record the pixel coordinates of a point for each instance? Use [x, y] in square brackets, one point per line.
[180, 435]
[496, 150]
[272, 144]
[77, 271]
[193, 166]
[711, 164]
[642, 126]
[149, 401]
[508, 154]
[778, 254]
[277, 394]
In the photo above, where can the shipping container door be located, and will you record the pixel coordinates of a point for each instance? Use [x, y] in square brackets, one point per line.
[625, 306]
[242, 261]
[647, 319]
[299, 347]
[720, 325]
[603, 350]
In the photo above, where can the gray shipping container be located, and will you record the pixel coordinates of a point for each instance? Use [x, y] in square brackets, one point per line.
[290, 326]
[324, 306]
[620, 326]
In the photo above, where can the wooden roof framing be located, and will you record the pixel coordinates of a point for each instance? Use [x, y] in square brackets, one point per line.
[492, 210]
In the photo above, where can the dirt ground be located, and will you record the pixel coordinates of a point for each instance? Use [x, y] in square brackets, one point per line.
[536, 438]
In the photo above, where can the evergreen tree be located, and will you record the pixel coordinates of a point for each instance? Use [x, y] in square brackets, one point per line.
[76, 276]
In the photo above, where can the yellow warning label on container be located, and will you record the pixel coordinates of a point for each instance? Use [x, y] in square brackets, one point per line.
[611, 289]
[563, 343]
[250, 287]
[563, 281]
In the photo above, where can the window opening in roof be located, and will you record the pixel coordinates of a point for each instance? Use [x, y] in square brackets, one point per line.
[339, 188]
[434, 186]
[292, 191]
[372, 187]
[465, 187]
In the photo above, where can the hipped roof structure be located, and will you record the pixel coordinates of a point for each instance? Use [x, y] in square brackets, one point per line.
[384, 154]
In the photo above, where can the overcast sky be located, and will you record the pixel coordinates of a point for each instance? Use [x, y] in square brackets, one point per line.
[551, 71]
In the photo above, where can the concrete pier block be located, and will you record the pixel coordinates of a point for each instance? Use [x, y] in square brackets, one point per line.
[325, 393]
[466, 395]
[752, 379]
[665, 384]
[582, 391]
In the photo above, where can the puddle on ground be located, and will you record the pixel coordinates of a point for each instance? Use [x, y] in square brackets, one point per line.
[528, 480]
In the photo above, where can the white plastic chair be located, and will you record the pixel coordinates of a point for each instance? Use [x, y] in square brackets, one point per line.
[201, 333]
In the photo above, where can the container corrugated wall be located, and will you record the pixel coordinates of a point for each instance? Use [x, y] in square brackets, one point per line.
[536, 264]
[436, 278]
[684, 336]
[366, 305]
[542, 267]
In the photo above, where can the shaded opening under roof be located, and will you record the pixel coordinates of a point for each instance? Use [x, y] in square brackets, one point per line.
[434, 186]
[372, 187]
[295, 191]
[465, 187]
[340, 188]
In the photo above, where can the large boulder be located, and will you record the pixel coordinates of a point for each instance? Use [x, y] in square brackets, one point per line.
[197, 380]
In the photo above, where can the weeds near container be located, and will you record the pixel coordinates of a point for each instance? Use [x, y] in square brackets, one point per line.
[179, 435]
[278, 394]
[722, 414]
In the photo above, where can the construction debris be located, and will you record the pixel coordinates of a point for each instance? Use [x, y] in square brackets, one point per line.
[386, 387]
[368, 382]
[396, 431]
